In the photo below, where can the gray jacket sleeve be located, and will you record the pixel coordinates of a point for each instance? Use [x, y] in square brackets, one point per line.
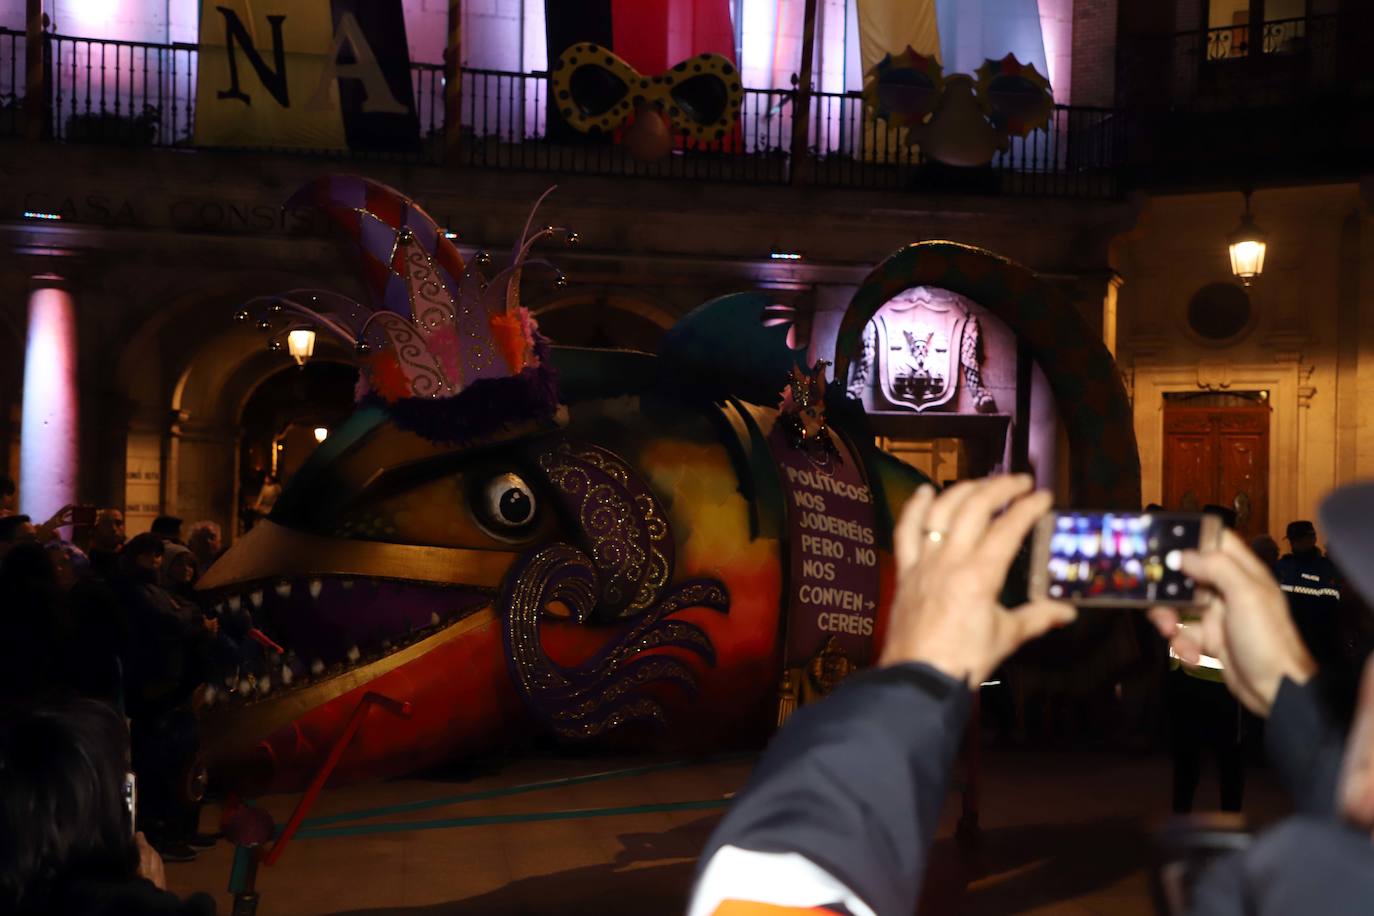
[855, 783]
[1305, 746]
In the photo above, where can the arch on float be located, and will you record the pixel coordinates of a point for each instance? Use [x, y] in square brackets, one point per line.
[1104, 462]
[605, 320]
[649, 311]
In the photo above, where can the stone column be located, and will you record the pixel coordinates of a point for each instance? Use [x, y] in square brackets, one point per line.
[48, 428]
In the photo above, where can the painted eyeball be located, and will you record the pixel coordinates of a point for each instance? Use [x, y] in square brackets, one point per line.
[508, 503]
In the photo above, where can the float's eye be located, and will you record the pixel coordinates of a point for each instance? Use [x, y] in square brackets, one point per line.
[508, 502]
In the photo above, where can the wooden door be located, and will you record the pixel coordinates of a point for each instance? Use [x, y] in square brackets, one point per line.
[1219, 456]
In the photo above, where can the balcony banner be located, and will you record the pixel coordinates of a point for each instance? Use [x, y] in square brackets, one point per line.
[890, 26]
[305, 74]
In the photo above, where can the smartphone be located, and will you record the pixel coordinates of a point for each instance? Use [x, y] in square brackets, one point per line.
[1119, 559]
[131, 800]
[83, 515]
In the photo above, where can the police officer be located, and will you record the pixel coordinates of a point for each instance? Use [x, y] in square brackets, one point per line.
[1311, 584]
[1203, 714]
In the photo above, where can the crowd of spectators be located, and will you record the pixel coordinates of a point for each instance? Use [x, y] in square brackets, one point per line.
[114, 620]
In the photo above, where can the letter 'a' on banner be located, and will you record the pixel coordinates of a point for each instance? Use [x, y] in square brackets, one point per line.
[305, 74]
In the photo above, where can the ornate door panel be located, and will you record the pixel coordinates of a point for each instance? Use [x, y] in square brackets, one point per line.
[1219, 455]
[1189, 480]
[1245, 479]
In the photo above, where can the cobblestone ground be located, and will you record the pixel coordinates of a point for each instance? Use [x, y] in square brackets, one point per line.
[1063, 832]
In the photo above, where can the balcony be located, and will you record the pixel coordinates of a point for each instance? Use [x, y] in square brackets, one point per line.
[136, 94]
[1280, 101]
[1276, 63]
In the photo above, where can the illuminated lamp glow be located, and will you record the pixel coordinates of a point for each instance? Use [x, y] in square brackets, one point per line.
[48, 434]
[450, 235]
[321, 433]
[785, 256]
[1247, 259]
[1247, 246]
[300, 343]
[39, 214]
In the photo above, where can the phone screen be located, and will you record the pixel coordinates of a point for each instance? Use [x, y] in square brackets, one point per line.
[1122, 557]
[131, 800]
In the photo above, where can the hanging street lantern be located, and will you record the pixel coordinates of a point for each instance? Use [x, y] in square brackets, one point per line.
[1247, 246]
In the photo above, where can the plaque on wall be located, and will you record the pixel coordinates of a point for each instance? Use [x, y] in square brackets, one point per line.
[918, 351]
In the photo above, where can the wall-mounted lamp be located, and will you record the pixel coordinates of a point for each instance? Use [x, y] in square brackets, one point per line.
[300, 343]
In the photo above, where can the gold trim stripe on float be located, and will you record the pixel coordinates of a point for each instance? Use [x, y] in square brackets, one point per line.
[272, 551]
[256, 721]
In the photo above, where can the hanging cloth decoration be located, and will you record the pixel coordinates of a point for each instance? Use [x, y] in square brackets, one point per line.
[888, 26]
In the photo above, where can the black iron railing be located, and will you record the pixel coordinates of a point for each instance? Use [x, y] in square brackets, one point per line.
[133, 93]
[1076, 155]
[12, 80]
[123, 92]
[508, 123]
[1279, 36]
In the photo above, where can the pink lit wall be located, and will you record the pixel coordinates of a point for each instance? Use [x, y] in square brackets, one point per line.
[772, 41]
[48, 432]
[1056, 26]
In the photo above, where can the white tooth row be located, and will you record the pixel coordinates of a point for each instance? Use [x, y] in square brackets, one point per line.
[283, 589]
[247, 687]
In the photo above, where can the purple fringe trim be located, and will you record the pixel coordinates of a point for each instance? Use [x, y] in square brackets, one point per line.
[486, 406]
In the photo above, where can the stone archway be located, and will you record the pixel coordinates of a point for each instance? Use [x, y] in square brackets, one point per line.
[185, 374]
[1104, 463]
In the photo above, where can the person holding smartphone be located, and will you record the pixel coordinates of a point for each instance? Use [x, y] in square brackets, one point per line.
[67, 839]
[841, 810]
[1322, 859]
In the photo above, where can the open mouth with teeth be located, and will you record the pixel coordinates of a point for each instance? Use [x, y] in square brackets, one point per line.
[319, 627]
[314, 623]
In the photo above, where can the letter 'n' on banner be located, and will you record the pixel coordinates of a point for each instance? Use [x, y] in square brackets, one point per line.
[305, 74]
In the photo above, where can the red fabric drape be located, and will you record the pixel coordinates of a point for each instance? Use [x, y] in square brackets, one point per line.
[652, 35]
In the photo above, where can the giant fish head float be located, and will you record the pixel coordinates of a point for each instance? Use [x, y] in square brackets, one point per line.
[517, 538]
